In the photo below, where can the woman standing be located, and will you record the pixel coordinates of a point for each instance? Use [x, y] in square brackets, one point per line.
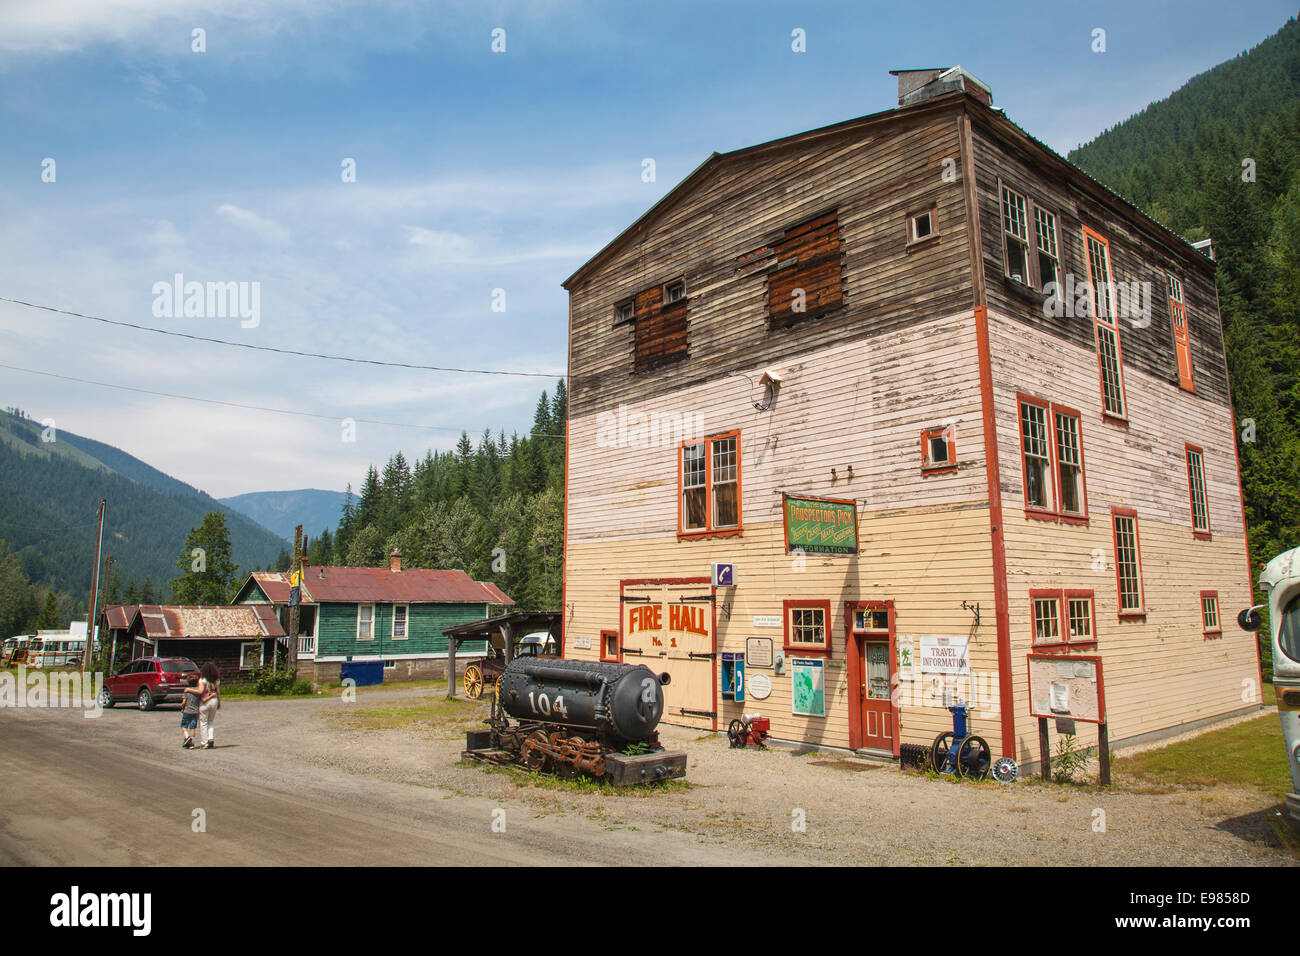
[209, 703]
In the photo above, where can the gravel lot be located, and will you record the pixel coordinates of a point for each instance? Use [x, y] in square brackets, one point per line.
[856, 812]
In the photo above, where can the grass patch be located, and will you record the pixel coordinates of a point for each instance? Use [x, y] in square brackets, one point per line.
[1250, 754]
[545, 781]
[391, 718]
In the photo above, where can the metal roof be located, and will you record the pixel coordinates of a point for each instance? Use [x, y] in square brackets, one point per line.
[119, 616]
[520, 622]
[407, 586]
[209, 622]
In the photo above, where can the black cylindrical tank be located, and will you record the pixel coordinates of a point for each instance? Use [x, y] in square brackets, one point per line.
[623, 700]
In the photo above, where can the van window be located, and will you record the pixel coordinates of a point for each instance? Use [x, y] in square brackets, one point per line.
[1288, 632]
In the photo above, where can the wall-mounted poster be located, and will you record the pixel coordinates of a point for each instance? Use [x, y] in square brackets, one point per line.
[758, 651]
[906, 657]
[821, 525]
[944, 654]
[808, 690]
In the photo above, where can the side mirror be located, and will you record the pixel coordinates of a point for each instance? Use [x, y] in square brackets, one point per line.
[1250, 619]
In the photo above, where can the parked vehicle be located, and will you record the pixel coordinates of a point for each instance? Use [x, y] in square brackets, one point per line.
[150, 681]
[10, 648]
[45, 652]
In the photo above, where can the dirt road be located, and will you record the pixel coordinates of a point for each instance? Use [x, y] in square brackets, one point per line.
[379, 781]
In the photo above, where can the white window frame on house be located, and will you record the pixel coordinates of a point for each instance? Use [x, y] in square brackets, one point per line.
[406, 622]
[625, 312]
[1110, 355]
[1015, 229]
[1048, 249]
[914, 221]
[678, 286]
[244, 664]
[371, 623]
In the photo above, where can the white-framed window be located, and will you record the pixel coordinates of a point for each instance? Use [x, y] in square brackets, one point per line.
[674, 291]
[365, 622]
[400, 615]
[921, 225]
[1069, 460]
[624, 312]
[250, 655]
[1015, 227]
[1047, 620]
[1036, 442]
[389, 664]
[1049, 259]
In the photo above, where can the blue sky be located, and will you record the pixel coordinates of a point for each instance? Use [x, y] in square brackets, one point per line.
[475, 171]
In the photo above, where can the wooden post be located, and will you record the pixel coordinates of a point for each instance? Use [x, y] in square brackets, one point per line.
[94, 593]
[292, 663]
[451, 666]
[1103, 753]
[1044, 751]
[508, 633]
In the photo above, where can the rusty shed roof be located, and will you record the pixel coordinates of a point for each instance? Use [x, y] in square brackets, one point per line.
[119, 616]
[210, 622]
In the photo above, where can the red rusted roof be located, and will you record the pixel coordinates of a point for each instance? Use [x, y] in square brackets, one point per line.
[408, 586]
[119, 616]
[212, 622]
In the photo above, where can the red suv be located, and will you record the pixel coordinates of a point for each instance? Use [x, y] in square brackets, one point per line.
[150, 681]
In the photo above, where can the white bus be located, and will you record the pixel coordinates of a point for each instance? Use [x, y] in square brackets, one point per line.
[1280, 580]
[55, 649]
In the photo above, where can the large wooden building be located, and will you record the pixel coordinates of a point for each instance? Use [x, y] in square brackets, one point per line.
[943, 401]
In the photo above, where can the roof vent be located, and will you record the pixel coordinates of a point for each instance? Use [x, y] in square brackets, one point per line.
[917, 86]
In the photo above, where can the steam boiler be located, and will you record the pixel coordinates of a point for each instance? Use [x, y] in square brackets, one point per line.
[571, 718]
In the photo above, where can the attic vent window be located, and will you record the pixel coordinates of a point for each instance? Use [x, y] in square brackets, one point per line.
[674, 292]
[921, 226]
[624, 312]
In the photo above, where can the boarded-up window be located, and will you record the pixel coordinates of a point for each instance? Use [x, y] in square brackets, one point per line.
[660, 328]
[809, 277]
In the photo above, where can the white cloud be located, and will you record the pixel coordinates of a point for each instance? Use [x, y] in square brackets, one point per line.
[266, 229]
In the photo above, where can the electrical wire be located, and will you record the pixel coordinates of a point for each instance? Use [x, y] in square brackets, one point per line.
[270, 348]
[257, 408]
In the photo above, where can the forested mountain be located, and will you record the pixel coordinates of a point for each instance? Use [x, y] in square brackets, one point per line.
[494, 509]
[282, 511]
[1220, 158]
[49, 493]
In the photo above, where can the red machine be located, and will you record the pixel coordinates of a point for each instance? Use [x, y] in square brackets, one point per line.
[750, 729]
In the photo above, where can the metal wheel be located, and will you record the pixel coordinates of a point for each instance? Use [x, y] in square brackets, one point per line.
[473, 681]
[736, 733]
[105, 698]
[144, 699]
[531, 753]
[939, 752]
[974, 758]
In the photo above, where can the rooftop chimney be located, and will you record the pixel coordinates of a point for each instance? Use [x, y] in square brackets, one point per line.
[395, 560]
[917, 86]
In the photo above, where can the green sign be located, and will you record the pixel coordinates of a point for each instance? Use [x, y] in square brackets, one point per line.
[821, 526]
[808, 687]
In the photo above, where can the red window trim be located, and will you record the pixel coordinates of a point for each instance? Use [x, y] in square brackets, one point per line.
[1141, 613]
[1208, 533]
[618, 657]
[787, 607]
[1063, 596]
[1049, 514]
[939, 468]
[1206, 633]
[708, 531]
[1188, 384]
[1113, 325]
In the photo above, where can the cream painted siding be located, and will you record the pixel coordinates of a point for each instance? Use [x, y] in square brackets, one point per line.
[924, 540]
[1160, 672]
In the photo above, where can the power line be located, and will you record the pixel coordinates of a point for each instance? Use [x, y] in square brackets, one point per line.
[270, 348]
[257, 408]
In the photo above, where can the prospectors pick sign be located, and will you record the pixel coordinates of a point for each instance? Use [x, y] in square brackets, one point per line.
[821, 525]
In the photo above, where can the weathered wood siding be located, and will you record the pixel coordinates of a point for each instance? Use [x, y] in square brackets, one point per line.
[1160, 672]
[872, 176]
[924, 539]
[1134, 254]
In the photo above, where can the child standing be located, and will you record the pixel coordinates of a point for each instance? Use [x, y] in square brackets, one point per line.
[189, 716]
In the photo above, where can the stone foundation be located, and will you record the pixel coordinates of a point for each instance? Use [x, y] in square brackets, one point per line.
[406, 669]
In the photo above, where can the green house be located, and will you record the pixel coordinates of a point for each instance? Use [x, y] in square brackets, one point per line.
[394, 614]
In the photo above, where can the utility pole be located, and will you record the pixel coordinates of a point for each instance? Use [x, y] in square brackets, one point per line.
[94, 593]
[294, 605]
[108, 583]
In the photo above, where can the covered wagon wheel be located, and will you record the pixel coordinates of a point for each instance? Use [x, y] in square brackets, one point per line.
[473, 681]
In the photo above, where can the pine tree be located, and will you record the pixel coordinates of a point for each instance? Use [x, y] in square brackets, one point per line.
[210, 576]
[49, 617]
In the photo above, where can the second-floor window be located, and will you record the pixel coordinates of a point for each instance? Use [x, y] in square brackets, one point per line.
[709, 472]
[808, 280]
[1015, 229]
[1062, 617]
[1196, 490]
[1051, 445]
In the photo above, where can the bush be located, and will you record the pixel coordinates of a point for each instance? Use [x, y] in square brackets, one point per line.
[301, 686]
[1070, 759]
[269, 683]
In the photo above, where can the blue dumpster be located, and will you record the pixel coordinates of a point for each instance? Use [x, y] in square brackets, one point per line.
[364, 673]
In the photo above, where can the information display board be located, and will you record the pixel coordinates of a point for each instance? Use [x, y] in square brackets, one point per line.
[1067, 686]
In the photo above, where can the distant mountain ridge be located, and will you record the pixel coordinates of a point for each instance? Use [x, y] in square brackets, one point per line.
[280, 511]
[49, 493]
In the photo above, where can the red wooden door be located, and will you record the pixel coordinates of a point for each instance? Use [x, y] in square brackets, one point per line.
[877, 708]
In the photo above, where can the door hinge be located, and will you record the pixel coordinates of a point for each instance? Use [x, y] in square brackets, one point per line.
[693, 656]
[697, 713]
